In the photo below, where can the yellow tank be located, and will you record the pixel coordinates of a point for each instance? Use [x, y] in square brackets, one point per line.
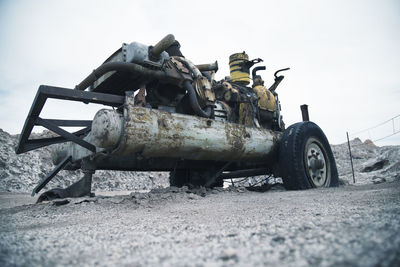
[266, 100]
[239, 71]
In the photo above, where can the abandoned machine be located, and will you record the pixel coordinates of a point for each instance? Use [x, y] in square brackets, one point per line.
[167, 113]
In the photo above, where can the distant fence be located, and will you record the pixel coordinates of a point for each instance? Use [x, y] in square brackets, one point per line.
[380, 131]
[387, 129]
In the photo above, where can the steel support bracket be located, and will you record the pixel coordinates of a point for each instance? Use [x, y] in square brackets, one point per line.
[44, 92]
[50, 176]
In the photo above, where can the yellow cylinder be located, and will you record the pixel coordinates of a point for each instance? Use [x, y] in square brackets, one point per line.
[240, 73]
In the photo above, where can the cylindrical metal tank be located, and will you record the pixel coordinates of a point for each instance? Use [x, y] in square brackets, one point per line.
[155, 133]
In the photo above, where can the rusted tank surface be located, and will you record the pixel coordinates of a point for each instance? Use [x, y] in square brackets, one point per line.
[156, 133]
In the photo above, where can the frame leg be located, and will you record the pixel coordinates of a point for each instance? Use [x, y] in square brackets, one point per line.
[80, 188]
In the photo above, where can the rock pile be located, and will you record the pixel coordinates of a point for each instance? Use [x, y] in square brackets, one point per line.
[372, 164]
[21, 173]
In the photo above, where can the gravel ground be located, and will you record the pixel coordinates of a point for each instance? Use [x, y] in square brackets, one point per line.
[350, 225]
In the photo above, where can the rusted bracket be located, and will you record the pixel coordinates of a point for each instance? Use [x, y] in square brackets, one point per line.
[44, 92]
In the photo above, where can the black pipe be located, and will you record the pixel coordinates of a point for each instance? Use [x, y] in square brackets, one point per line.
[276, 73]
[244, 173]
[253, 72]
[304, 112]
[119, 66]
[207, 75]
[194, 103]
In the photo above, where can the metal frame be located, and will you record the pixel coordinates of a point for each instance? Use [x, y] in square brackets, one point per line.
[44, 92]
[50, 176]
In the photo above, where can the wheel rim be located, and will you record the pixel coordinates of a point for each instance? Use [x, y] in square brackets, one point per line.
[316, 163]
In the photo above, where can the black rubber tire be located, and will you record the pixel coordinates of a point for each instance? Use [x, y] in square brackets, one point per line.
[293, 157]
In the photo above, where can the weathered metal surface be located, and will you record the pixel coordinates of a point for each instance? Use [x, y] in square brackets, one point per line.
[208, 67]
[129, 53]
[203, 90]
[154, 133]
[140, 98]
[161, 46]
[246, 114]
[266, 100]
[76, 151]
[195, 122]
[107, 129]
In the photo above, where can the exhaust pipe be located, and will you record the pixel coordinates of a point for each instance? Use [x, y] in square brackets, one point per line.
[154, 55]
[119, 66]
[161, 46]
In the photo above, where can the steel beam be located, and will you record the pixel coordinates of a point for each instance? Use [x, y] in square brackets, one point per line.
[67, 135]
[50, 176]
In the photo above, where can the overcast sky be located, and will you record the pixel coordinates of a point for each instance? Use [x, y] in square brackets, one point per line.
[344, 55]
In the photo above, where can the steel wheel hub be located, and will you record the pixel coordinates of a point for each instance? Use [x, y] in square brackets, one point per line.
[315, 162]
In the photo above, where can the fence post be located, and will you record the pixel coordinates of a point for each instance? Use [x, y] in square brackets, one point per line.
[351, 158]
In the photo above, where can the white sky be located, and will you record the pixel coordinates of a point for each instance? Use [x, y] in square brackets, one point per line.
[344, 55]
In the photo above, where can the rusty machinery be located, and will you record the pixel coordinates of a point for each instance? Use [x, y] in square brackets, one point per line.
[169, 114]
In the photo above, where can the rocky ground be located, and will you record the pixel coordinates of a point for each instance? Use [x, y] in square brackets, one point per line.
[353, 225]
[346, 226]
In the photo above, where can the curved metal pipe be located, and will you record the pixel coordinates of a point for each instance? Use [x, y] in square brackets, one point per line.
[118, 66]
[253, 73]
[195, 71]
[276, 73]
[207, 75]
[162, 45]
[208, 67]
[194, 103]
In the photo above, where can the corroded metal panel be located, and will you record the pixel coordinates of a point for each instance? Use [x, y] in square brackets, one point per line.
[155, 133]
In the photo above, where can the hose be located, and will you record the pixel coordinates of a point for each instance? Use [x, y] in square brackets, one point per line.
[194, 103]
[192, 94]
[119, 66]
